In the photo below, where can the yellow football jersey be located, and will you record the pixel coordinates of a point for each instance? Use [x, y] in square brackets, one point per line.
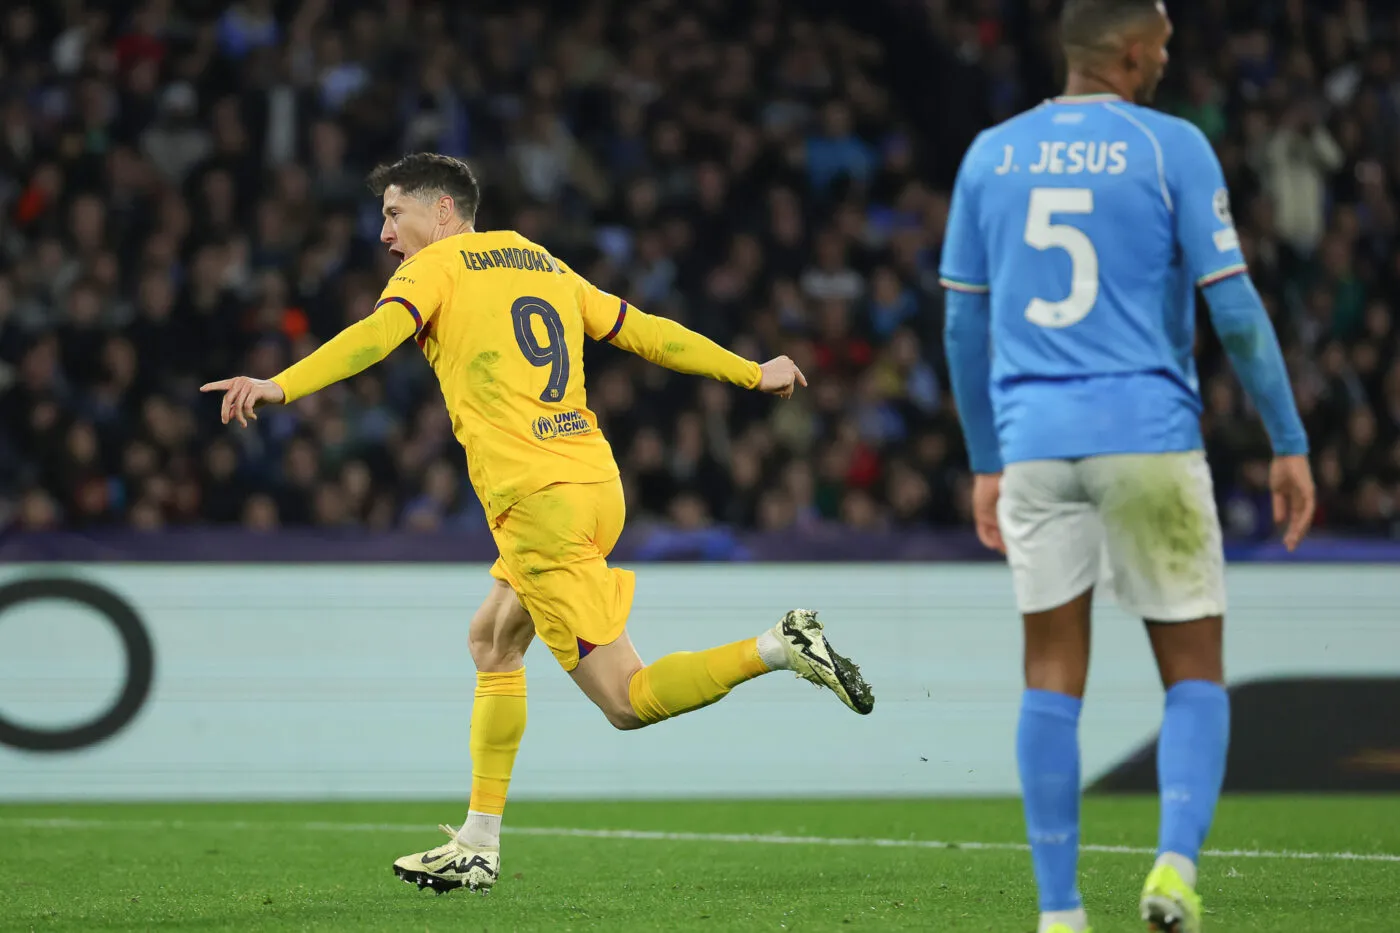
[502, 323]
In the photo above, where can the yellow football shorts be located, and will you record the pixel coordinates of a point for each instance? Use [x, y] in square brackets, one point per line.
[554, 546]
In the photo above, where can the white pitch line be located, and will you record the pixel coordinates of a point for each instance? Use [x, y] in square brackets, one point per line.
[660, 836]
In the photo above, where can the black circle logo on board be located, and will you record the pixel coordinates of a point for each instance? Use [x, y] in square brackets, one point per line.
[140, 665]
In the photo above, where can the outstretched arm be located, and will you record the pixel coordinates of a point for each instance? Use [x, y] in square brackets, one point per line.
[666, 343]
[408, 306]
[669, 344]
[351, 351]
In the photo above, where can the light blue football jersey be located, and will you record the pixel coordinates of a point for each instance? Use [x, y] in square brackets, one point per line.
[1091, 221]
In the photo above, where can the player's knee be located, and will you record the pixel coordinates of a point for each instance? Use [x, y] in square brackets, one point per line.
[493, 653]
[1204, 665]
[1056, 675]
[623, 717]
[1188, 650]
[1056, 666]
[499, 634]
[617, 708]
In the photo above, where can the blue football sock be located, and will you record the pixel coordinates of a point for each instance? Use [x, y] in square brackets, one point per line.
[1191, 763]
[1047, 751]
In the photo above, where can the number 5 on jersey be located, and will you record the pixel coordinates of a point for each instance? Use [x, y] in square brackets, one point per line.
[1042, 234]
[555, 355]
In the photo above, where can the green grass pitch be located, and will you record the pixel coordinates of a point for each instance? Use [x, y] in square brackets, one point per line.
[1305, 864]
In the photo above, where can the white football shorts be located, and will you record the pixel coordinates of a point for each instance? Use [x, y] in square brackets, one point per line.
[1143, 526]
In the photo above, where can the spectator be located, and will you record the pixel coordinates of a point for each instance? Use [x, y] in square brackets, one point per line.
[837, 152]
[1295, 164]
[181, 197]
[176, 142]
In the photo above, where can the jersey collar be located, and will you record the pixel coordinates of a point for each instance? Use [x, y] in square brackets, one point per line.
[1087, 99]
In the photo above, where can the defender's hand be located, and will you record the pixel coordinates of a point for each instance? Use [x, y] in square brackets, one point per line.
[986, 490]
[780, 377]
[242, 394]
[1291, 482]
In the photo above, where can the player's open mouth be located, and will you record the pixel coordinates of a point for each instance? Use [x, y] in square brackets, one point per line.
[397, 253]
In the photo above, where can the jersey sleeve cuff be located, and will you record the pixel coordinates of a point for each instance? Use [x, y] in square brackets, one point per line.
[1295, 445]
[959, 285]
[280, 381]
[1221, 275]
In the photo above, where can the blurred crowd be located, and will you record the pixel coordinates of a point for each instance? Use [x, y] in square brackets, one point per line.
[182, 199]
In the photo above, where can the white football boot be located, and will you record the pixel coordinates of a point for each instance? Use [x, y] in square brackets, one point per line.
[811, 657]
[451, 866]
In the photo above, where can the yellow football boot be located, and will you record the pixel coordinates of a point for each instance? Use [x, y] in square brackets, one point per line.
[1169, 904]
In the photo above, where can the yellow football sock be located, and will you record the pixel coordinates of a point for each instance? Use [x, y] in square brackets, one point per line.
[681, 682]
[498, 724]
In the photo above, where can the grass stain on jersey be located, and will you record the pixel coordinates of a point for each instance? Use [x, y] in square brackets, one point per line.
[481, 377]
[1242, 346]
[364, 358]
[672, 349]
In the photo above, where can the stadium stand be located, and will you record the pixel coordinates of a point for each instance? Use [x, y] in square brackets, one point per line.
[181, 199]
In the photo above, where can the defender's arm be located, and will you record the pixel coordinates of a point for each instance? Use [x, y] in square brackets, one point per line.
[967, 338]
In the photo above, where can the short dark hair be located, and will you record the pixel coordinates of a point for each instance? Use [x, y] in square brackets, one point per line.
[428, 173]
[1088, 27]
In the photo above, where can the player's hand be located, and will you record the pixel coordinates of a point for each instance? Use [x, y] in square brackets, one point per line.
[242, 395]
[780, 377]
[986, 490]
[1291, 482]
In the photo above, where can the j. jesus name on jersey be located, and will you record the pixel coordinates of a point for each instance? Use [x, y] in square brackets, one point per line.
[1062, 158]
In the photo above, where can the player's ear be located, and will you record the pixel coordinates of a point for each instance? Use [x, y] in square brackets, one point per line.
[445, 208]
[1133, 52]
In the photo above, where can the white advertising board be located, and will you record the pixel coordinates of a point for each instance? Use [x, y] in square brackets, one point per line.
[354, 681]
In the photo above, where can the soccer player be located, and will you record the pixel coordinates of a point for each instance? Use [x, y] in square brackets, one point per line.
[1078, 234]
[502, 322]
